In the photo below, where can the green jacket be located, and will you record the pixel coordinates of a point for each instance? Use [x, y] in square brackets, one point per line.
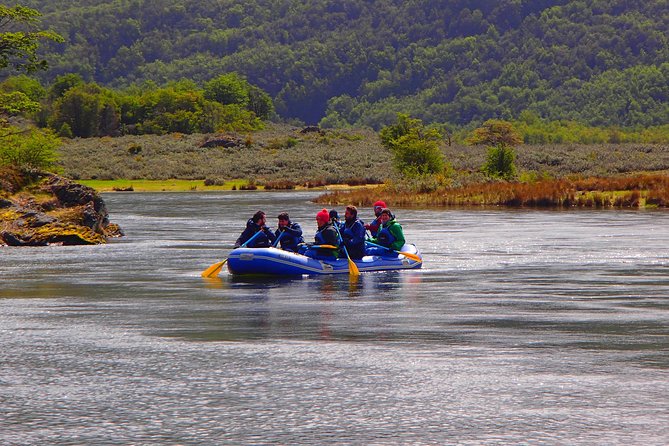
[390, 235]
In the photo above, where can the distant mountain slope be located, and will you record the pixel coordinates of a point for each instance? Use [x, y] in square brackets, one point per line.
[359, 62]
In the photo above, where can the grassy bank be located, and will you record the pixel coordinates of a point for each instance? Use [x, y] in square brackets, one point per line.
[160, 185]
[279, 155]
[285, 157]
[635, 191]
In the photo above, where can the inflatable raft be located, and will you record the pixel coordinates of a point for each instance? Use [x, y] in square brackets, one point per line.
[274, 261]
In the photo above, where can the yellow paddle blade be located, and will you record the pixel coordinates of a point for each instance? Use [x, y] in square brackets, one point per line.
[411, 256]
[214, 269]
[353, 268]
[327, 246]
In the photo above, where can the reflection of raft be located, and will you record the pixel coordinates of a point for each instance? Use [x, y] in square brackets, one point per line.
[274, 261]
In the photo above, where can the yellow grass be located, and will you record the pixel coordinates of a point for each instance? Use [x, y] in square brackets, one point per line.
[159, 185]
[614, 192]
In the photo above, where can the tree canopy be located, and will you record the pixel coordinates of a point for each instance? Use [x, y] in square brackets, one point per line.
[352, 62]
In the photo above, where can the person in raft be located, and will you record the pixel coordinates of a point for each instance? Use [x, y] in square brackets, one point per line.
[292, 233]
[326, 234]
[334, 218]
[255, 224]
[390, 235]
[373, 227]
[353, 233]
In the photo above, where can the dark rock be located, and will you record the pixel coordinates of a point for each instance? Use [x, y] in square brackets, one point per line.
[223, 141]
[5, 203]
[81, 216]
[312, 129]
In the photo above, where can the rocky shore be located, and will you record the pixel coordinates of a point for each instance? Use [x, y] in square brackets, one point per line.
[39, 209]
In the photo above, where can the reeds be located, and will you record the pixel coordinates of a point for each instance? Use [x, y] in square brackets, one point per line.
[598, 192]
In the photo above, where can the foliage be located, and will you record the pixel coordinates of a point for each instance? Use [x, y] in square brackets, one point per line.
[31, 149]
[29, 86]
[227, 89]
[500, 162]
[622, 192]
[500, 137]
[358, 63]
[495, 133]
[75, 108]
[415, 148]
[25, 148]
[19, 40]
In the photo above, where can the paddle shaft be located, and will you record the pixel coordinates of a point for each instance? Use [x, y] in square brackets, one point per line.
[352, 267]
[214, 269]
[406, 254]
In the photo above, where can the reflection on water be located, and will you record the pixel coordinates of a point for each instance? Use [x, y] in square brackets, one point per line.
[523, 327]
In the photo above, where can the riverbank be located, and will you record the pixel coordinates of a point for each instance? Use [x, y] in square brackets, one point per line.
[283, 156]
[633, 191]
[38, 209]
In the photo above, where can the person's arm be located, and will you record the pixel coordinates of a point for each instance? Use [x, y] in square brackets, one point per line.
[398, 233]
[268, 232]
[294, 230]
[358, 234]
[244, 236]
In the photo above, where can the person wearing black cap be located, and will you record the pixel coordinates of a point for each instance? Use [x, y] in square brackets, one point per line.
[390, 235]
[334, 218]
[292, 233]
[253, 225]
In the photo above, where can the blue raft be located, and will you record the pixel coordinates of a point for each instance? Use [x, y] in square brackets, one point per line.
[274, 261]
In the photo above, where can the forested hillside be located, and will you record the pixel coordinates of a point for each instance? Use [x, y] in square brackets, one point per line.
[354, 62]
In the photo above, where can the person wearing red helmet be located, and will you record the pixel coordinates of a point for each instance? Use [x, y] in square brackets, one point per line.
[326, 234]
[374, 226]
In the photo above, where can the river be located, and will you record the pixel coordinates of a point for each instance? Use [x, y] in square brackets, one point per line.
[523, 327]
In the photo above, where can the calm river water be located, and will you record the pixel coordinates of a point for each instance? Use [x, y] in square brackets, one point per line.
[523, 327]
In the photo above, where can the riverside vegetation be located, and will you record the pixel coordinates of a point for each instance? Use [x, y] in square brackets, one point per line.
[120, 127]
[286, 157]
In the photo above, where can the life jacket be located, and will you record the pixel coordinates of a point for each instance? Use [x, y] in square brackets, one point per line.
[289, 240]
[354, 238]
[384, 236]
[326, 235]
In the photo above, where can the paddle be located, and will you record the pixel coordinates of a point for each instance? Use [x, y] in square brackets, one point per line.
[276, 242]
[215, 269]
[352, 267]
[405, 254]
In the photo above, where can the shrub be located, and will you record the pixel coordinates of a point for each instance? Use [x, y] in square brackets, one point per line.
[32, 149]
[415, 148]
[500, 163]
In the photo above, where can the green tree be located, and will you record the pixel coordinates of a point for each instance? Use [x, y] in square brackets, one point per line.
[500, 137]
[29, 149]
[500, 163]
[18, 47]
[88, 110]
[415, 148]
[227, 89]
[27, 85]
[260, 103]
[64, 83]
[22, 147]
[495, 132]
